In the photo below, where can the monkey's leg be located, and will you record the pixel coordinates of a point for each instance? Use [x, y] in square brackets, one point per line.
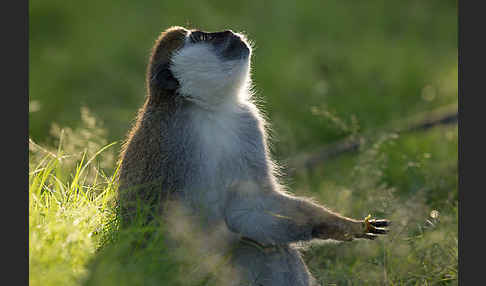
[272, 217]
[281, 266]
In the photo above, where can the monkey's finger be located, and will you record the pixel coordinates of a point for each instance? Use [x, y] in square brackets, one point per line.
[380, 222]
[378, 230]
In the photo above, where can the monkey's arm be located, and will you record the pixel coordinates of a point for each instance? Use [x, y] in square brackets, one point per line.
[272, 217]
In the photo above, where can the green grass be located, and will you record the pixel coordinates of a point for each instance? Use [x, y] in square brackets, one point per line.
[70, 201]
[74, 237]
[63, 218]
[405, 178]
[325, 70]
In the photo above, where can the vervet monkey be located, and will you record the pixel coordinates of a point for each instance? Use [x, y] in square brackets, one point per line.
[200, 141]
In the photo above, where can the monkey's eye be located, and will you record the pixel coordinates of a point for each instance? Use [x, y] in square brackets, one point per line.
[198, 36]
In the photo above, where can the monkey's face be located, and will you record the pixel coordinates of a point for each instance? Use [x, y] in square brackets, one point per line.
[212, 68]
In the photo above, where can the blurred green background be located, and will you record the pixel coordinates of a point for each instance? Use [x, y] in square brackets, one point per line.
[324, 70]
[370, 60]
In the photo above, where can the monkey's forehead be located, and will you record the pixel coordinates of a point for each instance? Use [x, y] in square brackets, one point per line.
[169, 40]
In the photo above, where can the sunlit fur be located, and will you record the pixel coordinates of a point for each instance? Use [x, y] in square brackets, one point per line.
[205, 146]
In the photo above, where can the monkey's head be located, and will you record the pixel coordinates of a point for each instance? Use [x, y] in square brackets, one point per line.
[208, 69]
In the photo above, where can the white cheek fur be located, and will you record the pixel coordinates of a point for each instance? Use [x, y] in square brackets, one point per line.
[208, 80]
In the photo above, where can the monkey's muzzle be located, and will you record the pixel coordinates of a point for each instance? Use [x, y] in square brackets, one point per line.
[236, 47]
[228, 44]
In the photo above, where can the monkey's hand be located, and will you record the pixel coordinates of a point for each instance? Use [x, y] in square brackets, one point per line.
[345, 229]
[372, 227]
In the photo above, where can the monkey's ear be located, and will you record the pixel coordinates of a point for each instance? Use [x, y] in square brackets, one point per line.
[163, 78]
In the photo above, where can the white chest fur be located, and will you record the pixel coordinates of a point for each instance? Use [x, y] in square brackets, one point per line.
[218, 136]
